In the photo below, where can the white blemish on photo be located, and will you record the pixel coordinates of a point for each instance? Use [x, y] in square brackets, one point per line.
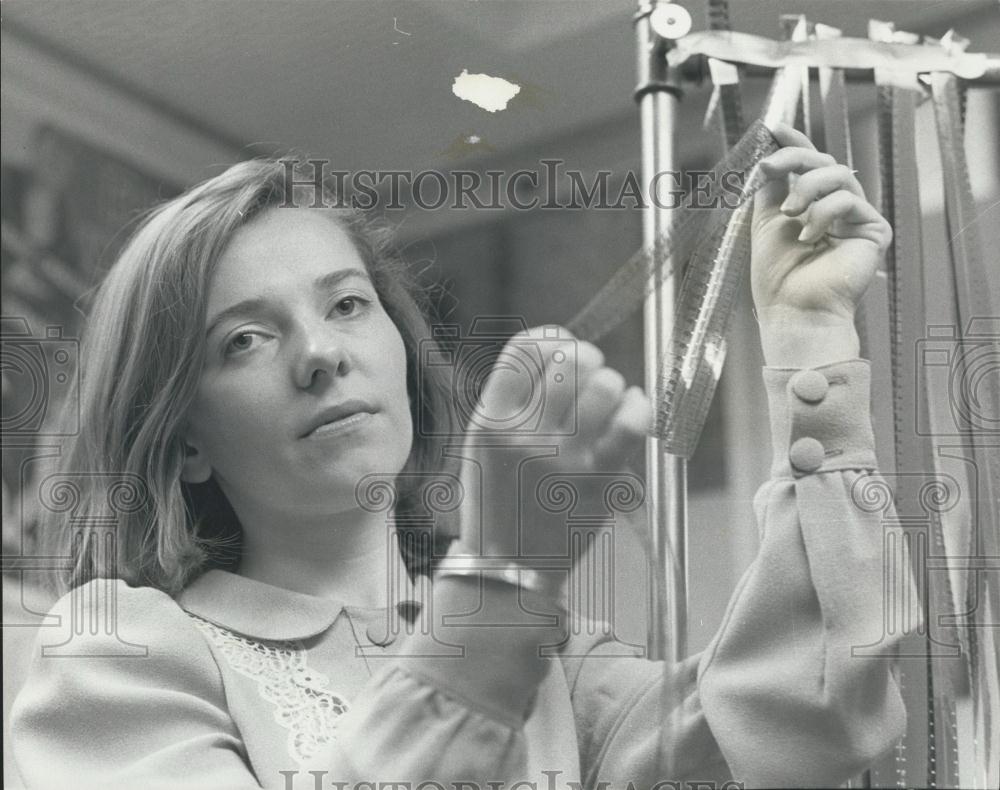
[490, 93]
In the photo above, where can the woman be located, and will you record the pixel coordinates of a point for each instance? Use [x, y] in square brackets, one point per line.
[252, 366]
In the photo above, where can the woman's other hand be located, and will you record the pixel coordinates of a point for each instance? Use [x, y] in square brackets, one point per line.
[549, 406]
[816, 245]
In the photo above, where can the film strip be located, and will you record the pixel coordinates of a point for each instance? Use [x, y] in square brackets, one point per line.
[795, 27]
[837, 143]
[897, 165]
[691, 366]
[932, 669]
[978, 404]
[711, 241]
[730, 104]
[833, 99]
[689, 226]
[943, 670]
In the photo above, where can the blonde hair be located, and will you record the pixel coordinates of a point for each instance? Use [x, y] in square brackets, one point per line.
[141, 361]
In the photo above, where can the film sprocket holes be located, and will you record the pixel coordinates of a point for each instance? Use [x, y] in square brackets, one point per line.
[545, 367]
[966, 369]
[41, 373]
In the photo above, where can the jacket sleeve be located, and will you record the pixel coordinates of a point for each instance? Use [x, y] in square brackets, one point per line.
[780, 697]
[142, 706]
[461, 720]
[145, 707]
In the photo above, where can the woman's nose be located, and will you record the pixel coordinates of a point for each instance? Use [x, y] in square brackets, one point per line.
[322, 353]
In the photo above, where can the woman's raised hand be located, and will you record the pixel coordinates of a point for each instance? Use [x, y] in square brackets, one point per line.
[549, 406]
[816, 244]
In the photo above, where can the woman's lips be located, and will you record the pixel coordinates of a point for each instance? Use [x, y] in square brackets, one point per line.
[335, 413]
[341, 426]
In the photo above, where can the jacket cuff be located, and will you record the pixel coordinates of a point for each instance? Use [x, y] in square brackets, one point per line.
[462, 658]
[820, 418]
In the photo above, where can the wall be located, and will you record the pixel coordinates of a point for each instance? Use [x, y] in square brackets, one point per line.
[39, 88]
[41, 91]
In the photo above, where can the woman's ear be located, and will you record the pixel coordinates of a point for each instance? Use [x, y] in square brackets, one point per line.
[196, 467]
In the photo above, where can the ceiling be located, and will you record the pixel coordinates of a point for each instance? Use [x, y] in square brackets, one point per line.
[370, 82]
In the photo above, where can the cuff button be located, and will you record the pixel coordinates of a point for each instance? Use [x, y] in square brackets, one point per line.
[379, 635]
[806, 455]
[810, 386]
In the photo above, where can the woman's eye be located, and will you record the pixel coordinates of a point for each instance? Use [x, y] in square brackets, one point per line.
[242, 342]
[350, 305]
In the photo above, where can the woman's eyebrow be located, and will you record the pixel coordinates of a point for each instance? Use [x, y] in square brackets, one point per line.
[257, 304]
[240, 308]
[328, 281]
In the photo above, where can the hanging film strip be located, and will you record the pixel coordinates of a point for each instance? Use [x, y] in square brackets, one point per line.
[896, 119]
[930, 655]
[689, 224]
[945, 660]
[705, 237]
[712, 240]
[726, 92]
[976, 405]
[692, 363]
[837, 142]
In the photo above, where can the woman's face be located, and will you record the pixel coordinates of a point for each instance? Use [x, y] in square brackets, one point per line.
[303, 391]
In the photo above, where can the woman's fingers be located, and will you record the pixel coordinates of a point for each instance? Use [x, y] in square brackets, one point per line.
[822, 192]
[858, 218]
[815, 184]
[626, 433]
[535, 371]
[580, 399]
[789, 136]
[566, 367]
[794, 160]
[777, 168]
[600, 396]
[813, 176]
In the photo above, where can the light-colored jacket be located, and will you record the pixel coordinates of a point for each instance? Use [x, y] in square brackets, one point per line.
[239, 684]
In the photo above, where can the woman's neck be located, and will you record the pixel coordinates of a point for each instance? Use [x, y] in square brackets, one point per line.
[349, 557]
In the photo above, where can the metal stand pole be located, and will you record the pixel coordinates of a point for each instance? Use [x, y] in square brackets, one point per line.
[658, 95]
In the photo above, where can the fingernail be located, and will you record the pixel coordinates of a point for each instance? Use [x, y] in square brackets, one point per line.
[787, 205]
[805, 234]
